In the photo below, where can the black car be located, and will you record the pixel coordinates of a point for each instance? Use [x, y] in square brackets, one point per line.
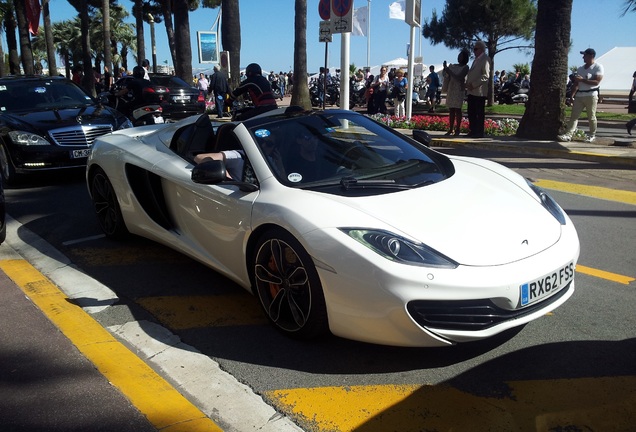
[49, 123]
[184, 100]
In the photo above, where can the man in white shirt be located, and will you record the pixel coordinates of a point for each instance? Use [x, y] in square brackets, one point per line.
[585, 92]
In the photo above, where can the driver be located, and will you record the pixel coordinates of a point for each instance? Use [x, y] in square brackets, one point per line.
[259, 89]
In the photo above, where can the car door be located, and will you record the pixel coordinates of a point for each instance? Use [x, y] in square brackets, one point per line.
[212, 221]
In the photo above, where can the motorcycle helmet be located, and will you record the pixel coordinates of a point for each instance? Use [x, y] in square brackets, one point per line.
[139, 72]
[253, 69]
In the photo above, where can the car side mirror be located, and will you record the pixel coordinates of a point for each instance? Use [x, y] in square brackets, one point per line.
[422, 137]
[213, 172]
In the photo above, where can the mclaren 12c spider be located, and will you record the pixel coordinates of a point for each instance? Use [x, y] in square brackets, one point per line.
[337, 223]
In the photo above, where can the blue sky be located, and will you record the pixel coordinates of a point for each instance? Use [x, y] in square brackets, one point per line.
[268, 34]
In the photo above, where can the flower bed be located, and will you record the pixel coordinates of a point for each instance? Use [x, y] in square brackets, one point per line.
[503, 127]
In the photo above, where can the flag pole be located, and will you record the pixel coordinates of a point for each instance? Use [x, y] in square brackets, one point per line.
[369, 35]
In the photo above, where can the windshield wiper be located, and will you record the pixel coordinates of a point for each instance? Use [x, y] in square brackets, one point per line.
[354, 183]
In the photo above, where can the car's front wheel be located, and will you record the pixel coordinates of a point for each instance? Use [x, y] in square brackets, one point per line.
[106, 206]
[288, 286]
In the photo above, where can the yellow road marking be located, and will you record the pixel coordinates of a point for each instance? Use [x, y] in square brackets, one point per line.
[185, 312]
[626, 197]
[625, 280]
[579, 404]
[154, 397]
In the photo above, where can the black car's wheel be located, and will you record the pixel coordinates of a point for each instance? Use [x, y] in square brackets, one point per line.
[6, 167]
[106, 206]
[288, 286]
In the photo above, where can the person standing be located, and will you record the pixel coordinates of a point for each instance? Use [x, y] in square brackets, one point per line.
[477, 88]
[145, 63]
[220, 88]
[400, 86]
[456, 76]
[585, 91]
[203, 84]
[433, 87]
[380, 86]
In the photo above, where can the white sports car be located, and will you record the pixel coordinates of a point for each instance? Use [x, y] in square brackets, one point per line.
[338, 223]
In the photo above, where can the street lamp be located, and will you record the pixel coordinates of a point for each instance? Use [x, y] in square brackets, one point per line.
[151, 20]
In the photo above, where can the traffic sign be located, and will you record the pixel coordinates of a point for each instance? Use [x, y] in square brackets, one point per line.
[324, 9]
[341, 7]
[324, 34]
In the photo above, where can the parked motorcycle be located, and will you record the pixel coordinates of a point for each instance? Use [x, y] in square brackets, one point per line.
[512, 93]
[148, 112]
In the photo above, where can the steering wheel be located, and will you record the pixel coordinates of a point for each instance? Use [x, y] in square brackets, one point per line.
[352, 154]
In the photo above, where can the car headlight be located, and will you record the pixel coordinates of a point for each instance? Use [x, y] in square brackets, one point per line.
[548, 203]
[399, 249]
[27, 138]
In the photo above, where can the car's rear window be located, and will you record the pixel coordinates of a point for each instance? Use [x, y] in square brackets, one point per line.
[168, 81]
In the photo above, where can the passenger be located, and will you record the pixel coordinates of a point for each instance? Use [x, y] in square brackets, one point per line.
[233, 160]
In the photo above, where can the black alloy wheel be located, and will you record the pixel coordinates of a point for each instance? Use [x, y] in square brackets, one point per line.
[288, 286]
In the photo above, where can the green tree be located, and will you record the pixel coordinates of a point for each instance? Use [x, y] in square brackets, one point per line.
[545, 111]
[501, 24]
[300, 93]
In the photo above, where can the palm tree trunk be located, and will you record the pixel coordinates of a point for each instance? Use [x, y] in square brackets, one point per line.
[300, 90]
[48, 36]
[231, 37]
[183, 63]
[545, 112]
[26, 53]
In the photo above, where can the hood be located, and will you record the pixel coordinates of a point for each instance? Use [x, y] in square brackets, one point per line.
[42, 121]
[477, 217]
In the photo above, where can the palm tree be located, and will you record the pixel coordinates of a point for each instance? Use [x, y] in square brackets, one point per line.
[48, 35]
[10, 25]
[26, 53]
[67, 36]
[545, 112]
[108, 58]
[300, 93]
[231, 37]
[183, 58]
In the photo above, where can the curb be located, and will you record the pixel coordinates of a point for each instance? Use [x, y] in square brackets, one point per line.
[576, 155]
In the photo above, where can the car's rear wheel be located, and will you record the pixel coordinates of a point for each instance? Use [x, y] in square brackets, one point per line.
[106, 206]
[288, 286]
[6, 167]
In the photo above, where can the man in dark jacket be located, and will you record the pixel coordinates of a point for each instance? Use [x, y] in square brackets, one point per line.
[220, 88]
[259, 90]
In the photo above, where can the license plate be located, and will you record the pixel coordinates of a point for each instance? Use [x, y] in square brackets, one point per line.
[159, 119]
[76, 154]
[181, 98]
[546, 285]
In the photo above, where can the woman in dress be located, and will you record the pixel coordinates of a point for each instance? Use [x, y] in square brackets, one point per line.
[456, 76]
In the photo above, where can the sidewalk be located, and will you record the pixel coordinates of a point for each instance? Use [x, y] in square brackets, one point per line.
[603, 150]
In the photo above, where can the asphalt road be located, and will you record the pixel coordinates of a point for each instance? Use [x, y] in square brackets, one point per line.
[575, 368]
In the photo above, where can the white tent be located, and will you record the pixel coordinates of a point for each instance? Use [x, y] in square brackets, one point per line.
[619, 65]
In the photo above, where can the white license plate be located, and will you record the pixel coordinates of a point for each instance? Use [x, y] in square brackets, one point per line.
[546, 285]
[76, 154]
[181, 98]
[159, 119]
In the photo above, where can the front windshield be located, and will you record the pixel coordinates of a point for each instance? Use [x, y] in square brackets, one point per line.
[36, 95]
[349, 150]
